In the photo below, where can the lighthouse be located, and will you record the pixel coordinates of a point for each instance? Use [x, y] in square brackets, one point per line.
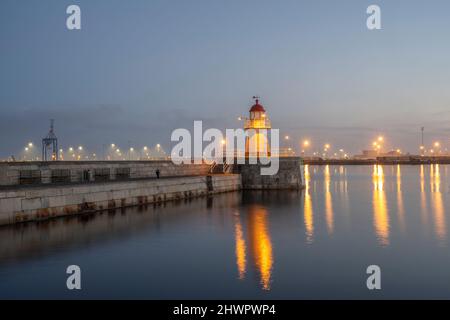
[256, 128]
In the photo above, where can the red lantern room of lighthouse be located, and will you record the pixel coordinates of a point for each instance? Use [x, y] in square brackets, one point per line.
[257, 129]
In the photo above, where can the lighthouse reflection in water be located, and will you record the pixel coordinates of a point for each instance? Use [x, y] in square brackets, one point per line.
[308, 244]
[260, 246]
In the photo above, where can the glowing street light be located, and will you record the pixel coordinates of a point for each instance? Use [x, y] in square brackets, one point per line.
[30, 144]
[306, 143]
[80, 148]
[380, 139]
[286, 137]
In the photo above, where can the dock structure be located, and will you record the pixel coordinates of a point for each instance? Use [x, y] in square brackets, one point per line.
[33, 191]
[387, 160]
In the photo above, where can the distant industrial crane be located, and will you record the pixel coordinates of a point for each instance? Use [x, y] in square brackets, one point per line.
[50, 145]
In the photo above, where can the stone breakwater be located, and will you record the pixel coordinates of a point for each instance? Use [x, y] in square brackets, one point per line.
[33, 191]
[39, 173]
[44, 202]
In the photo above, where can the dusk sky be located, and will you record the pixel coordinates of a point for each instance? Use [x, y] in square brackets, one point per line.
[139, 69]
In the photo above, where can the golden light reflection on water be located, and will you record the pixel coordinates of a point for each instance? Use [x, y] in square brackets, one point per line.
[328, 201]
[423, 196]
[437, 202]
[390, 183]
[241, 248]
[400, 207]
[260, 243]
[381, 217]
[308, 208]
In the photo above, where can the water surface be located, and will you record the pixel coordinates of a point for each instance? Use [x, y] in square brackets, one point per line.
[315, 243]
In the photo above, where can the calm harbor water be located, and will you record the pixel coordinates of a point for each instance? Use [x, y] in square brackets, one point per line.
[316, 243]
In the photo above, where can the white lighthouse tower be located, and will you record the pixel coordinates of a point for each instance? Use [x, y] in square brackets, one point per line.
[256, 128]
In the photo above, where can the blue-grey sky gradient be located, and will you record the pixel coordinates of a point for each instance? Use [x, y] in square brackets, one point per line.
[140, 68]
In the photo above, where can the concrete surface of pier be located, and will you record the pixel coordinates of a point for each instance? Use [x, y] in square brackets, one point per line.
[32, 191]
[47, 201]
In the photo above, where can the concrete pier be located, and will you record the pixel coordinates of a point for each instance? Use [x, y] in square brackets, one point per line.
[54, 172]
[33, 191]
[43, 202]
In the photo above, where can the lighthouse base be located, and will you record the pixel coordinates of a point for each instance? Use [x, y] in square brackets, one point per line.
[289, 176]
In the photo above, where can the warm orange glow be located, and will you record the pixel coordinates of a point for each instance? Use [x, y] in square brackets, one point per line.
[241, 260]
[257, 142]
[423, 196]
[400, 208]
[308, 209]
[381, 217]
[328, 201]
[306, 143]
[261, 244]
[437, 203]
[380, 139]
[437, 144]
[262, 123]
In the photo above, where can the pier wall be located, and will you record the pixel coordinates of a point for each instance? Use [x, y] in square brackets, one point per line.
[290, 175]
[35, 191]
[43, 202]
[19, 173]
